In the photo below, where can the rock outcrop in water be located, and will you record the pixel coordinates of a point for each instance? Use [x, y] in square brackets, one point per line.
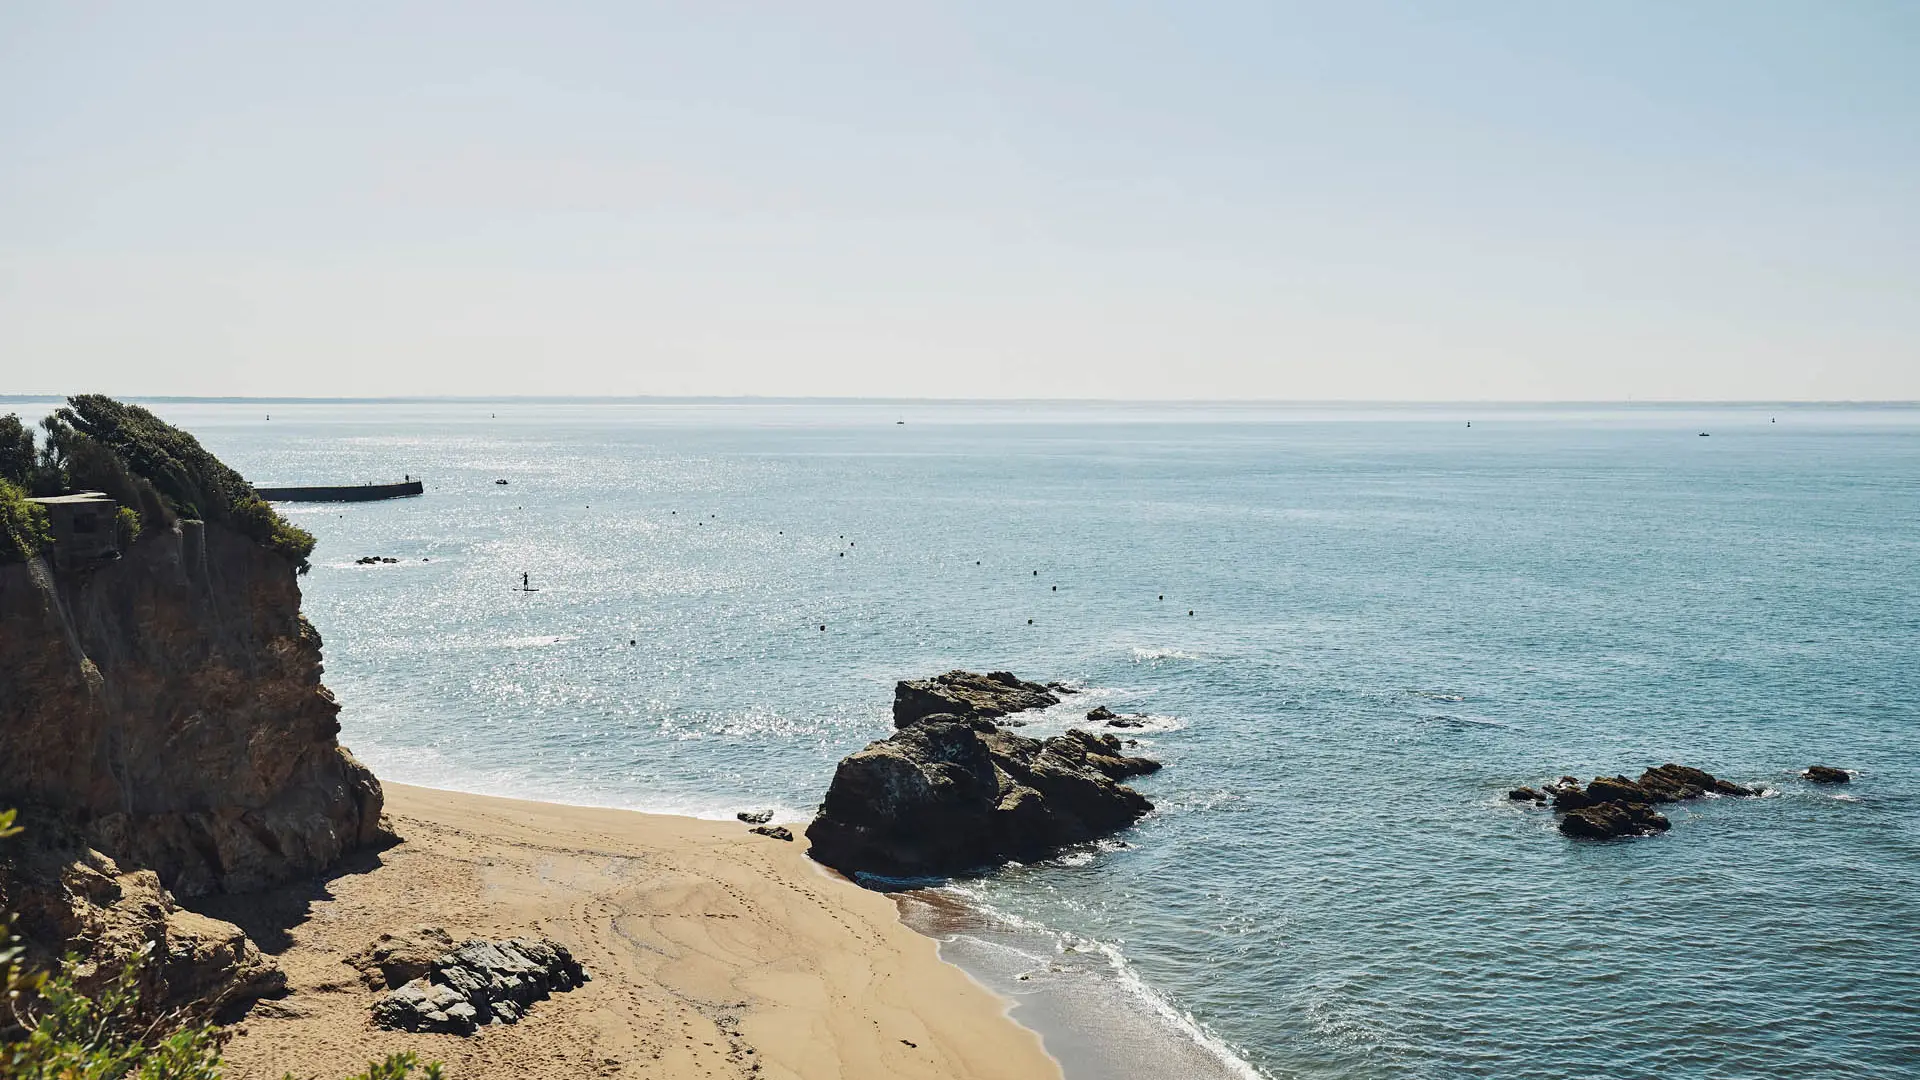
[1826, 774]
[968, 696]
[947, 794]
[163, 728]
[481, 982]
[1614, 806]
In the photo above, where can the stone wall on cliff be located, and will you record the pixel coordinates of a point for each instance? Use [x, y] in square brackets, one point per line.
[168, 705]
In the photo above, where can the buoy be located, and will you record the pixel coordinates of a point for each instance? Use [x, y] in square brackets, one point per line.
[823, 626]
[1036, 573]
[1163, 596]
[631, 641]
[1029, 622]
[1189, 611]
[1056, 588]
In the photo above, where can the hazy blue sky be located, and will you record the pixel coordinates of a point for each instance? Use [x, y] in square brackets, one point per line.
[1338, 200]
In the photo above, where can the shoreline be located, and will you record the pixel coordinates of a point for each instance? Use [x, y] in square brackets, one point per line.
[1092, 1013]
[713, 952]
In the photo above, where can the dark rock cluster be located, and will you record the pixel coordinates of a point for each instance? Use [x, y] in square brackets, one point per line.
[481, 982]
[1614, 806]
[1826, 774]
[947, 793]
[375, 560]
[967, 695]
[1100, 714]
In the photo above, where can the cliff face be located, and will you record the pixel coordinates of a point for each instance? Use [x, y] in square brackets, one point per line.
[168, 706]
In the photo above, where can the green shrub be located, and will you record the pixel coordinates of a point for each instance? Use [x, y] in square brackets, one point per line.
[91, 466]
[23, 525]
[188, 481]
[126, 526]
[16, 451]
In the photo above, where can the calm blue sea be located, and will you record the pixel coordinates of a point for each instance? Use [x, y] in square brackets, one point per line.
[1375, 621]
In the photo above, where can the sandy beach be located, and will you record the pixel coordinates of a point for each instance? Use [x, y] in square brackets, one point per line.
[713, 953]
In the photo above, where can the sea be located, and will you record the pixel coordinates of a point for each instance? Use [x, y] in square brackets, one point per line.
[1351, 629]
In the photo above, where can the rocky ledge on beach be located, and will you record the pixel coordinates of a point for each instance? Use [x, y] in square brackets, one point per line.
[481, 982]
[1614, 806]
[949, 793]
[968, 695]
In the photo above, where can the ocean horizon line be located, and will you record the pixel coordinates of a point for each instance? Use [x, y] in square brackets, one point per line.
[35, 396]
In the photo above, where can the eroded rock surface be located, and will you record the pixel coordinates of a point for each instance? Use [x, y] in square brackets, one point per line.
[168, 704]
[947, 794]
[394, 960]
[76, 900]
[968, 696]
[481, 982]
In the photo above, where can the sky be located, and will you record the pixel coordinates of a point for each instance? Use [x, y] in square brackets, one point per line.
[1189, 200]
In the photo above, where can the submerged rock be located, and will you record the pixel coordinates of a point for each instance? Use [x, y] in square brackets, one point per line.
[1526, 794]
[481, 982]
[1823, 774]
[947, 794]
[968, 696]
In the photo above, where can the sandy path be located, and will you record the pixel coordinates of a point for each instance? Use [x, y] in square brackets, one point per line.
[713, 952]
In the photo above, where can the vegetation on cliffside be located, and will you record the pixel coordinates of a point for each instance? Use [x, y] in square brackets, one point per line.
[146, 464]
[23, 526]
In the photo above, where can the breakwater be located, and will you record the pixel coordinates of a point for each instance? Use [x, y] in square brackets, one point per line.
[342, 492]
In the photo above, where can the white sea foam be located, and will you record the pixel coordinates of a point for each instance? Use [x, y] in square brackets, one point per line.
[1118, 969]
[1155, 655]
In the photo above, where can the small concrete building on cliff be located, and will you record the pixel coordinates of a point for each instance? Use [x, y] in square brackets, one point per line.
[84, 528]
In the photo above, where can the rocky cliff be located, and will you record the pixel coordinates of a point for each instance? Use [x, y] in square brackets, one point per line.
[163, 728]
[168, 705]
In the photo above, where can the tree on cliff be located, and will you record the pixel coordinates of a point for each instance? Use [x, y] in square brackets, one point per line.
[162, 471]
[16, 451]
